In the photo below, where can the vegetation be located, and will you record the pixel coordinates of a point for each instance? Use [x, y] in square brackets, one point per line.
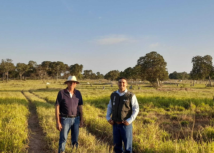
[13, 122]
[153, 68]
[170, 118]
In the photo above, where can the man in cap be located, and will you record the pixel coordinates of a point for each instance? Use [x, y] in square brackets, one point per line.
[122, 110]
[68, 112]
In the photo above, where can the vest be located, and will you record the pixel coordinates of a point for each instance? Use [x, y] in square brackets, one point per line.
[121, 106]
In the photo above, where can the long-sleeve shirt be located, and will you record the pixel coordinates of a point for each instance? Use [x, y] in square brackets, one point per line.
[135, 108]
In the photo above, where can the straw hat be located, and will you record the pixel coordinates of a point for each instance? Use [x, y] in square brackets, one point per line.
[71, 78]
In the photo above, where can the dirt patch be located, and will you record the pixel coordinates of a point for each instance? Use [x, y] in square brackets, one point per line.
[37, 143]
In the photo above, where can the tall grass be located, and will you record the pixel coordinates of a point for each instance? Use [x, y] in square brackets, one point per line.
[13, 122]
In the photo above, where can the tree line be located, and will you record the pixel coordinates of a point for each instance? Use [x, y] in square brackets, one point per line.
[151, 67]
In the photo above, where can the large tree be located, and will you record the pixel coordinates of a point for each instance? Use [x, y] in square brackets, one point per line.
[202, 67]
[112, 75]
[21, 68]
[76, 70]
[153, 67]
[6, 66]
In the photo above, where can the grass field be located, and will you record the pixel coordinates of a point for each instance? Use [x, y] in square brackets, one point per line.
[171, 119]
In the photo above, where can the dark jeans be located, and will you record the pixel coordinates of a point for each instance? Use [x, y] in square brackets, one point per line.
[67, 125]
[123, 133]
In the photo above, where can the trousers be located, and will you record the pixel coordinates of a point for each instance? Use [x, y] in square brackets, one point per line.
[122, 133]
[67, 125]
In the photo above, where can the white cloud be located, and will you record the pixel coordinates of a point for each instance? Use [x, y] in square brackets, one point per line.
[113, 39]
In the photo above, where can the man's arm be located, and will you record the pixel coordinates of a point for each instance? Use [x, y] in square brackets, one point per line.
[81, 115]
[58, 124]
[108, 114]
[135, 110]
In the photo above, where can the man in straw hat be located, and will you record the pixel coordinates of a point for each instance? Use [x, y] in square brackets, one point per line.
[122, 110]
[68, 112]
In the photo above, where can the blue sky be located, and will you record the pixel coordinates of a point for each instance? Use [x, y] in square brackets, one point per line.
[106, 35]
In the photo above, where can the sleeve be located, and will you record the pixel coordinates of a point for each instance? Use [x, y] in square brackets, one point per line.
[58, 99]
[135, 109]
[109, 109]
[80, 99]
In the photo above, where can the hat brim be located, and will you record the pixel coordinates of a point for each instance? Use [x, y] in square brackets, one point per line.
[71, 81]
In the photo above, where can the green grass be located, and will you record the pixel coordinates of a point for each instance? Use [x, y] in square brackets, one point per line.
[164, 124]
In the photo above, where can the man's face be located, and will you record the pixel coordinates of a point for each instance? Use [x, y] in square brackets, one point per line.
[122, 84]
[71, 84]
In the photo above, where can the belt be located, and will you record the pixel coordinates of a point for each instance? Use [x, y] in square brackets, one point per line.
[119, 122]
[68, 116]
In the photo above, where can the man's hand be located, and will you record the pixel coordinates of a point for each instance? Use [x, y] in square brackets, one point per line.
[125, 123]
[59, 126]
[111, 121]
[81, 124]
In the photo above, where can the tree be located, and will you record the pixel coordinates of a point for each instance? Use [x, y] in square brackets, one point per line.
[21, 68]
[41, 72]
[57, 68]
[202, 67]
[112, 75]
[179, 75]
[46, 67]
[76, 70]
[87, 74]
[32, 69]
[136, 72]
[127, 73]
[153, 67]
[6, 66]
[99, 75]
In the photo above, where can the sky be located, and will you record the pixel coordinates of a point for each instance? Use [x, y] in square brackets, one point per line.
[105, 35]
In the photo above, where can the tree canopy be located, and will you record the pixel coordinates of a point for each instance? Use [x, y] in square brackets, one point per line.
[112, 75]
[202, 67]
[153, 67]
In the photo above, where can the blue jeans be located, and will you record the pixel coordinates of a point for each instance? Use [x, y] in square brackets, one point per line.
[123, 133]
[67, 125]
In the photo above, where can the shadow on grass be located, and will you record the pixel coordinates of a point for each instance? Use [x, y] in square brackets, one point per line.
[160, 102]
[8, 101]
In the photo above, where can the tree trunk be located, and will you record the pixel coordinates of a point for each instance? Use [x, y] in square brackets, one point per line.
[20, 76]
[158, 82]
[6, 76]
[2, 77]
[57, 76]
[210, 81]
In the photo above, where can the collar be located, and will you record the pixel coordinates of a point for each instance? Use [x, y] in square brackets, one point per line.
[122, 92]
[66, 90]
